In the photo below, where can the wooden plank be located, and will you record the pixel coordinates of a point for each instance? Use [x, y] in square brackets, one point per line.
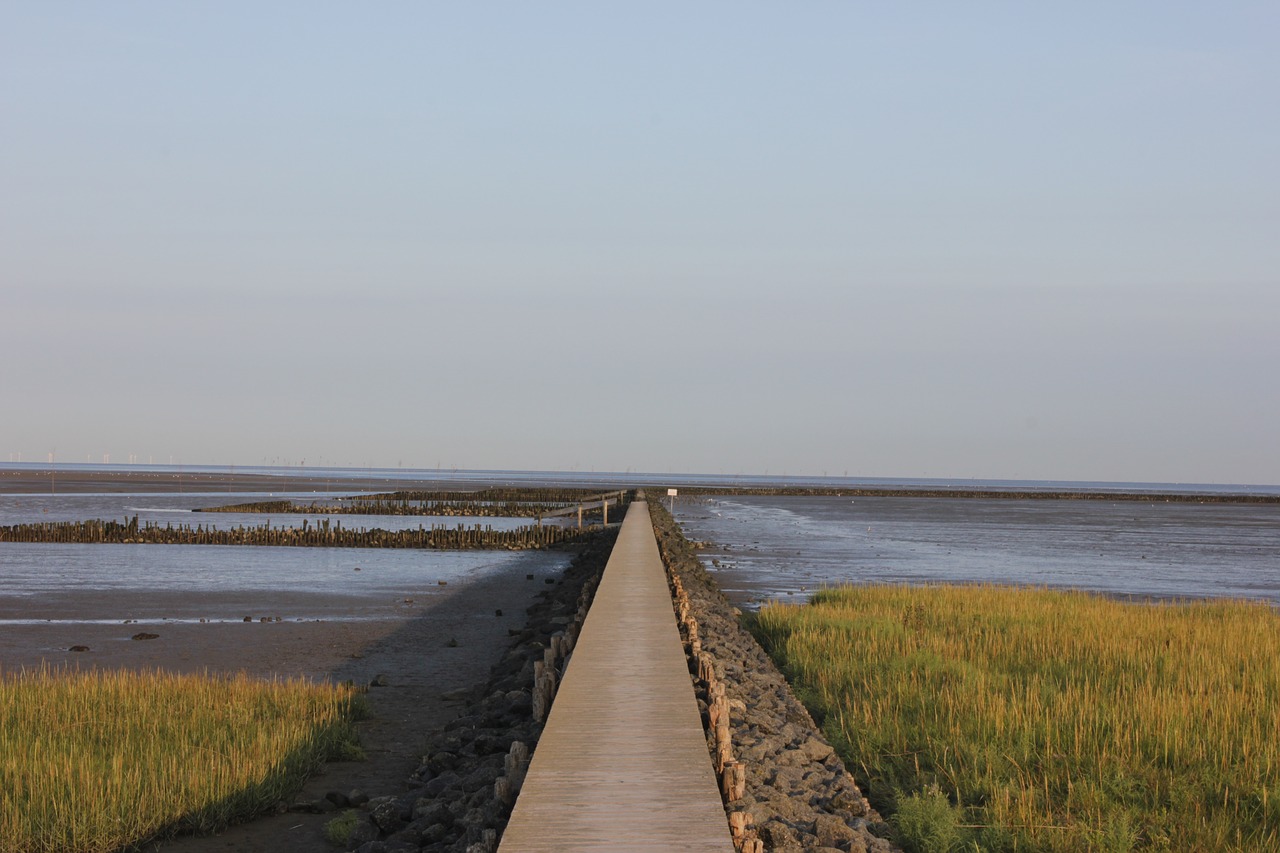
[623, 763]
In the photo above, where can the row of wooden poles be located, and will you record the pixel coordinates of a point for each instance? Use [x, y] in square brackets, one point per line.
[731, 772]
[588, 506]
[546, 680]
[510, 509]
[499, 493]
[323, 535]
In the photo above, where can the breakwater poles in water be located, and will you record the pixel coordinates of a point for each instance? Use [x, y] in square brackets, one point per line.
[587, 507]
[496, 494]
[321, 535]
[509, 509]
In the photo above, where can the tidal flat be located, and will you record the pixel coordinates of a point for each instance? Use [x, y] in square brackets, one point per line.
[787, 547]
[419, 626]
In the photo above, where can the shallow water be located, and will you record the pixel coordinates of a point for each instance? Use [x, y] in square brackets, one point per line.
[86, 583]
[786, 547]
[41, 582]
[177, 509]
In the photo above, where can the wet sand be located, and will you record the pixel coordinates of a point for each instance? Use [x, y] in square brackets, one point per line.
[311, 649]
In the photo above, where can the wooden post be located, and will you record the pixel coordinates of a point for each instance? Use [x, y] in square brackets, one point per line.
[516, 765]
[544, 688]
[718, 714]
[724, 754]
[738, 826]
[706, 669]
[733, 784]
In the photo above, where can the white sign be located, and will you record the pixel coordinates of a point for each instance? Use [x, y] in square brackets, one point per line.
[671, 493]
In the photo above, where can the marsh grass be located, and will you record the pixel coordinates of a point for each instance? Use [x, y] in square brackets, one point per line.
[1059, 720]
[338, 830]
[93, 761]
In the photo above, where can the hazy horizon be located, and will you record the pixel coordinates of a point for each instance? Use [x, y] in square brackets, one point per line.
[989, 241]
[589, 477]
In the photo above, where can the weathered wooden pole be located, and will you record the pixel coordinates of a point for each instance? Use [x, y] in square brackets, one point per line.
[734, 782]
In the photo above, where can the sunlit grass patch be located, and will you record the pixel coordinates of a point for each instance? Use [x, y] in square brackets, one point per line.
[101, 761]
[1063, 720]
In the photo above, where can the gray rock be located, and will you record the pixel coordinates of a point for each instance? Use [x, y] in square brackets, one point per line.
[816, 750]
[386, 813]
[832, 831]
[362, 833]
[433, 811]
[441, 783]
[776, 835]
[434, 833]
[480, 777]
[785, 777]
[878, 845]
[400, 845]
[791, 758]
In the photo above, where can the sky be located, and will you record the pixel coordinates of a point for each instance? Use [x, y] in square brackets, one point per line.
[987, 240]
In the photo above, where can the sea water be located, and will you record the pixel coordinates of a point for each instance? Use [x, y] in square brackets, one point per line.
[43, 582]
[760, 548]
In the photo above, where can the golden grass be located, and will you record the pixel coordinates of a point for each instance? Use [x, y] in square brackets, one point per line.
[1072, 721]
[102, 761]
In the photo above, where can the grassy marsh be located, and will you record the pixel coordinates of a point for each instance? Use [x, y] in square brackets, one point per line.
[102, 761]
[1050, 720]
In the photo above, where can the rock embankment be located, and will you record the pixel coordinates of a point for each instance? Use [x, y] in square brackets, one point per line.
[461, 796]
[785, 787]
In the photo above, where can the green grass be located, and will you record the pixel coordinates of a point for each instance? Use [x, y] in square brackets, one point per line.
[104, 761]
[1049, 720]
[338, 830]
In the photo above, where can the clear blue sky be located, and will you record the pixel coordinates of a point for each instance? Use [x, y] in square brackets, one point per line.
[965, 240]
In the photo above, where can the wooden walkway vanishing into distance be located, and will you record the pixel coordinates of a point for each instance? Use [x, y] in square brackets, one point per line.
[622, 763]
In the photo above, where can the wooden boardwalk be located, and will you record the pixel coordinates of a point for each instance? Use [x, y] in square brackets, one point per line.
[623, 762]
